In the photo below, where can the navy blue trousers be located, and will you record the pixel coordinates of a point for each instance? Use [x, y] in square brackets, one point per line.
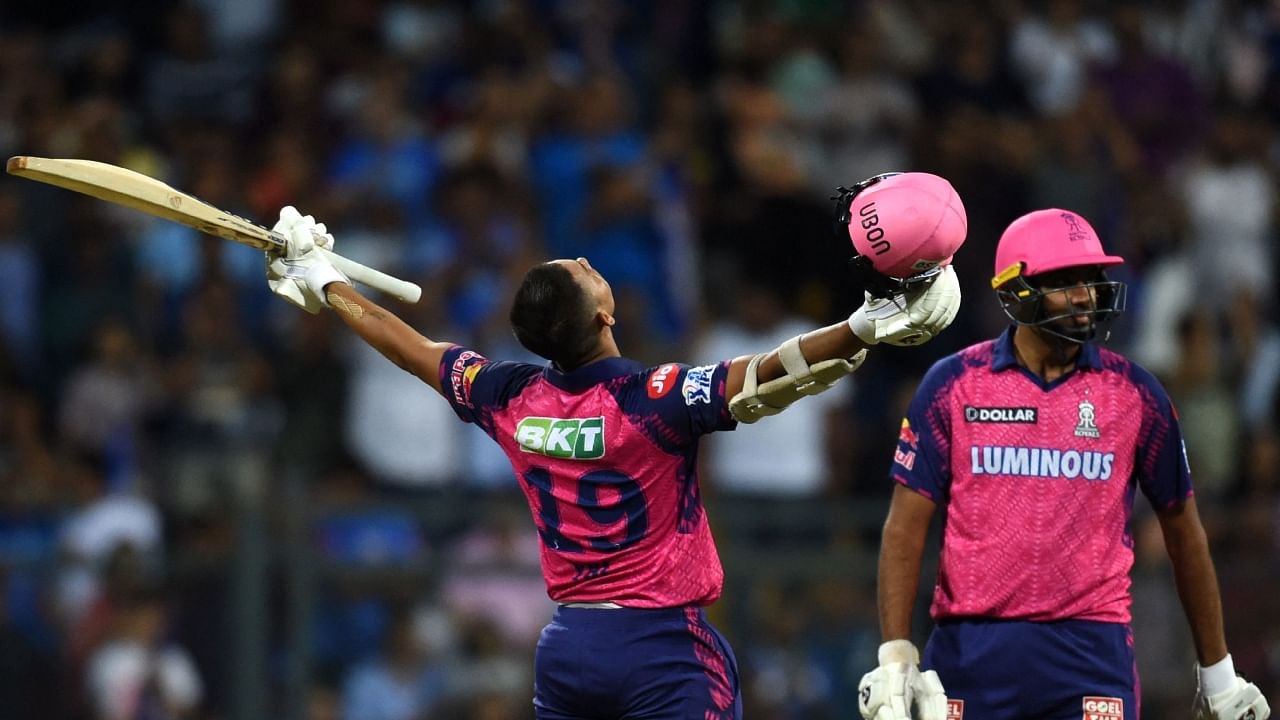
[627, 664]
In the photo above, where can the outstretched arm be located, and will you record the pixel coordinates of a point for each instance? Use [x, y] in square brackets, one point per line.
[388, 334]
[769, 382]
[833, 341]
[307, 279]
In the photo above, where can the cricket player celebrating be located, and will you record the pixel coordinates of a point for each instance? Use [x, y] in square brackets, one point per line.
[605, 449]
[1033, 445]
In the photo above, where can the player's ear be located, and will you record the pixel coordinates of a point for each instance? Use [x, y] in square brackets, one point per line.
[605, 318]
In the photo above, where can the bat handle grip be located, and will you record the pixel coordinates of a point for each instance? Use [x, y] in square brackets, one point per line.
[402, 289]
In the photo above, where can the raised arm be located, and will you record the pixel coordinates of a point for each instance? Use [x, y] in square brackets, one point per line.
[767, 383]
[307, 279]
[388, 334]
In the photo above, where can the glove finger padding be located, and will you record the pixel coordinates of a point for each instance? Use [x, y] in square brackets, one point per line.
[281, 282]
[301, 240]
[1242, 701]
[910, 319]
[322, 237]
[885, 693]
[929, 696]
[944, 298]
[289, 216]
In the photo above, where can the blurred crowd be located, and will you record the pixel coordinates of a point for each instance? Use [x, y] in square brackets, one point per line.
[166, 426]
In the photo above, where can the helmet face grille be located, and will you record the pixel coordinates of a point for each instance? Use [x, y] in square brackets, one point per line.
[871, 280]
[879, 285]
[1027, 304]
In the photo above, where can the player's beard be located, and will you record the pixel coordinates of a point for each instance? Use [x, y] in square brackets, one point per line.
[1064, 338]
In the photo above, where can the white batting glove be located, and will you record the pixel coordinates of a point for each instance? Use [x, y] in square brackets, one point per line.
[910, 319]
[300, 274]
[929, 696]
[890, 691]
[1223, 695]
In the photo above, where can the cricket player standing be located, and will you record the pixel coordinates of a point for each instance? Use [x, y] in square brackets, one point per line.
[1033, 444]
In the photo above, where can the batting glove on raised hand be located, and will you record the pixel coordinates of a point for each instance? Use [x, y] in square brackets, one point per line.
[301, 273]
[890, 691]
[913, 318]
[1238, 700]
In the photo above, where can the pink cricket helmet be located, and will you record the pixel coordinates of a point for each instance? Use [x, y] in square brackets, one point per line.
[1042, 242]
[1048, 240]
[904, 224]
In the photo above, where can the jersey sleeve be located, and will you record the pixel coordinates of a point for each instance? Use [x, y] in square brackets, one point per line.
[677, 403]
[475, 386]
[1161, 464]
[921, 457]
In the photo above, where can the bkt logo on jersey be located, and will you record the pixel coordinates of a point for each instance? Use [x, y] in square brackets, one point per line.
[1040, 462]
[570, 439]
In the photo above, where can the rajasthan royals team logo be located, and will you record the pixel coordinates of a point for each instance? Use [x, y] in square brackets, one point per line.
[1087, 426]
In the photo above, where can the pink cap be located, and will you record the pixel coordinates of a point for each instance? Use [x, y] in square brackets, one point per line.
[1048, 240]
[907, 224]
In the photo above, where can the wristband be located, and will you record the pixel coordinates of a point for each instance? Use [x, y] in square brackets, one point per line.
[1217, 677]
[321, 275]
[898, 651]
[862, 327]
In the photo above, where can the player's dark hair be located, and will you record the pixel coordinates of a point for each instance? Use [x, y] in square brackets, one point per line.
[550, 316]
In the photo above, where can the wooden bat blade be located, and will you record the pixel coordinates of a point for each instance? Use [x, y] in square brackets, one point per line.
[132, 189]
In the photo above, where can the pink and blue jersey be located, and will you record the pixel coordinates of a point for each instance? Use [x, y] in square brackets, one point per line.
[607, 457]
[1037, 480]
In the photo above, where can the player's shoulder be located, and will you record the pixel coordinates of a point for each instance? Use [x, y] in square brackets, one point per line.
[470, 377]
[950, 368]
[1134, 374]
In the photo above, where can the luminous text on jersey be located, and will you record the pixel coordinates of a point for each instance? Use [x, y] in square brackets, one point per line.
[565, 438]
[1040, 462]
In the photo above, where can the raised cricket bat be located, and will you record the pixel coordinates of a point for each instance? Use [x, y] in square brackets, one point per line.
[125, 187]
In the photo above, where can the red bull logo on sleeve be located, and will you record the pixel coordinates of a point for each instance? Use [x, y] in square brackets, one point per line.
[1103, 708]
[907, 435]
[906, 459]
[463, 373]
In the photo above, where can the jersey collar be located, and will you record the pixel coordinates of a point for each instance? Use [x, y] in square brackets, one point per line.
[1003, 356]
[591, 374]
